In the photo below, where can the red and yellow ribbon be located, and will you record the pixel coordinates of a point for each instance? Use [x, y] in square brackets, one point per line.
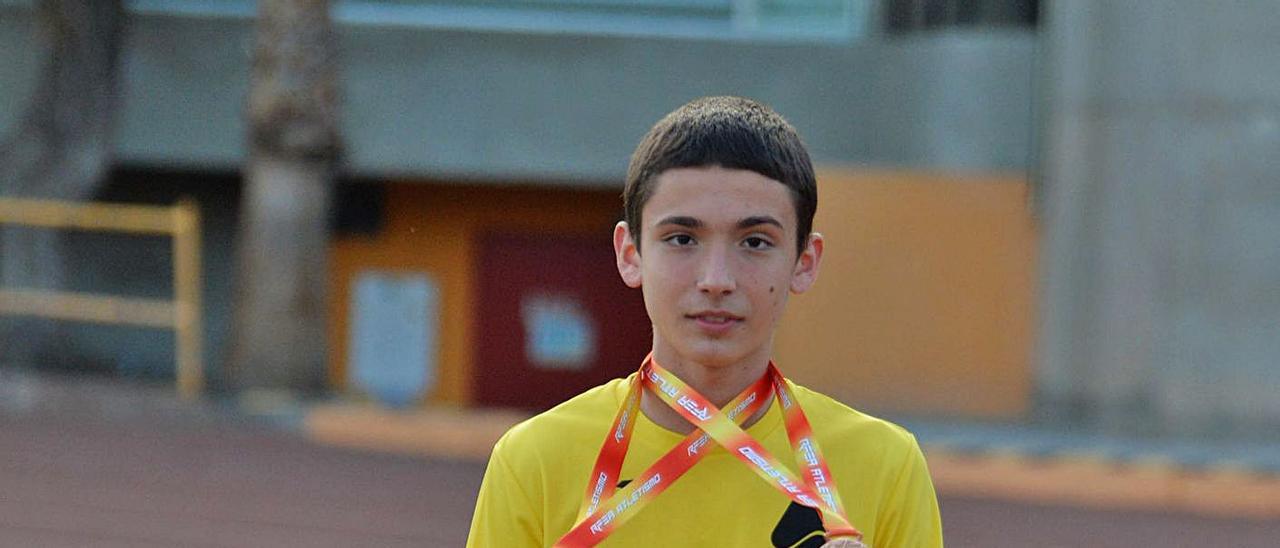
[606, 507]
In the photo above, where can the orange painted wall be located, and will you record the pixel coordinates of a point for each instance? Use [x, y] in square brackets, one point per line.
[432, 228]
[924, 302]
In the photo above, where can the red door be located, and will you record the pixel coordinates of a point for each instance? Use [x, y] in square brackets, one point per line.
[554, 319]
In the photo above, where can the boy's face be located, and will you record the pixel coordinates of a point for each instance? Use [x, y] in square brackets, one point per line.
[719, 260]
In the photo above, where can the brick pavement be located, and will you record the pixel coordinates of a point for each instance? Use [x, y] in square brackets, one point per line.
[105, 463]
[84, 482]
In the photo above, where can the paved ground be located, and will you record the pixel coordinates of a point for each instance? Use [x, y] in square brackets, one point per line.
[98, 466]
[994, 523]
[77, 483]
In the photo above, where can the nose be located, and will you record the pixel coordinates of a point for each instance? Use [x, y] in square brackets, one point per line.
[717, 273]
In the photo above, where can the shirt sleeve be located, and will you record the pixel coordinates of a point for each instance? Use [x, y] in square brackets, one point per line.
[505, 515]
[910, 518]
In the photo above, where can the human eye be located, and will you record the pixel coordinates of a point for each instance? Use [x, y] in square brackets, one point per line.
[679, 240]
[757, 243]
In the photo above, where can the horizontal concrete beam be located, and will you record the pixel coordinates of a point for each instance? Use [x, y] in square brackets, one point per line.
[564, 108]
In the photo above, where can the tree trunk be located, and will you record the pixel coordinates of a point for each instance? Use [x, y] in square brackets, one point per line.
[278, 338]
[60, 148]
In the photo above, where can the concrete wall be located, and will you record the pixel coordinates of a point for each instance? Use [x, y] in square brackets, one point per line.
[1162, 216]
[498, 106]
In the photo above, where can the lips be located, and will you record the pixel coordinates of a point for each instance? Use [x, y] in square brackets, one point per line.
[715, 317]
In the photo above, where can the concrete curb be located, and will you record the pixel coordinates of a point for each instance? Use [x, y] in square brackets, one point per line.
[1085, 479]
[1097, 482]
[446, 433]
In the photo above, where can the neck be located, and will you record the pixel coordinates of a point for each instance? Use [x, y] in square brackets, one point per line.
[718, 384]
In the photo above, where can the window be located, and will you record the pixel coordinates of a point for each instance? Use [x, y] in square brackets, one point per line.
[765, 20]
[914, 15]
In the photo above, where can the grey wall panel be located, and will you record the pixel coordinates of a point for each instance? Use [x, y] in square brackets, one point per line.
[511, 106]
[1161, 263]
[185, 82]
[553, 107]
[20, 63]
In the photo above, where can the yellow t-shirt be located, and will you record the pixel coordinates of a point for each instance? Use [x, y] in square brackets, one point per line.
[537, 475]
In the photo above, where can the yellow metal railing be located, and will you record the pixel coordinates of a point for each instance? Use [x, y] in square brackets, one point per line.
[182, 314]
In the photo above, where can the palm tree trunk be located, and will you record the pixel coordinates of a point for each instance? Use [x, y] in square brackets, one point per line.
[278, 336]
[60, 149]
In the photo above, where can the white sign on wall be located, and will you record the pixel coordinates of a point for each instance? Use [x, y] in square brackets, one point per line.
[558, 331]
[393, 338]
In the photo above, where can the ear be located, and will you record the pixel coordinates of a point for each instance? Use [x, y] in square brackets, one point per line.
[627, 254]
[806, 271]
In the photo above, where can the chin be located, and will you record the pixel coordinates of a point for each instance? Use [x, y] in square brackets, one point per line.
[713, 355]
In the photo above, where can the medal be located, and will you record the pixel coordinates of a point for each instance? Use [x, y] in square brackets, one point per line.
[844, 542]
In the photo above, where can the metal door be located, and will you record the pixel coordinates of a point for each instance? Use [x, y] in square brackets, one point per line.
[553, 319]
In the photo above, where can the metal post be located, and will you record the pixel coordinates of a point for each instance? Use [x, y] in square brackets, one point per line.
[188, 329]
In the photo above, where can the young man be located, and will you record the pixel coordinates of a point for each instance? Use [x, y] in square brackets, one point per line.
[719, 204]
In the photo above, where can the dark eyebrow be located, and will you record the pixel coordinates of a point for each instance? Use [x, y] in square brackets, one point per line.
[756, 220]
[679, 220]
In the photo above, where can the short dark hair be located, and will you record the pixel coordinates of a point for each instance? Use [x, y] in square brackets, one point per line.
[730, 132]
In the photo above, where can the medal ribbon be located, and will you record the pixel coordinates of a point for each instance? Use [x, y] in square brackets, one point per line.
[605, 506]
[817, 489]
